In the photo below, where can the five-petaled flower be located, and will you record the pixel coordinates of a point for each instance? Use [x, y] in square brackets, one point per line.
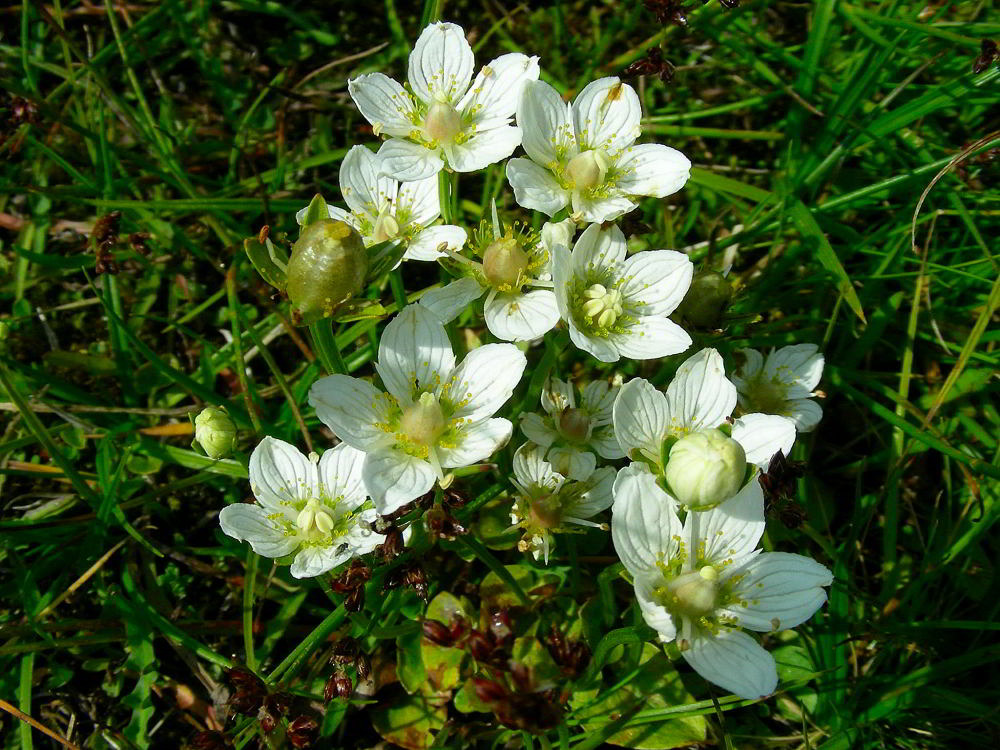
[513, 271]
[548, 501]
[782, 383]
[701, 582]
[678, 432]
[616, 307]
[310, 507]
[442, 120]
[572, 433]
[432, 416]
[583, 154]
[383, 210]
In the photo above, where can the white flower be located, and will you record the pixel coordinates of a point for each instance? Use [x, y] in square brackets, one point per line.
[442, 120]
[616, 307]
[311, 507]
[548, 500]
[434, 415]
[782, 384]
[583, 154]
[382, 209]
[573, 433]
[514, 274]
[700, 397]
[700, 583]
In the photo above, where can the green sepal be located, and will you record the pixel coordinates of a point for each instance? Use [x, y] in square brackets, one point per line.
[315, 211]
[383, 257]
[665, 446]
[270, 261]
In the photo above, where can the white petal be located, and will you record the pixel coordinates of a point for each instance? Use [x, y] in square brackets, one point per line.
[753, 364]
[641, 419]
[562, 277]
[651, 338]
[572, 462]
[425, 245]
[418, 202]
[599, 497]
[314, 561]
[643, 524]
[798, 365]
[606, 115]
[700, 395]
[352, 408]
[598, 398]
[249, 523]
[521, 317]
[448, 302]
[476, 442]
[484, 148]
[731, 530]
[558, 232]
[393, 479]
[441, 63]
[537, 429]
[383, 102]
[734, 661]
[407, 161]
[532, 470]
[335, 213]
[600, 210]
[655, 281]
[602, 349]
[763, 435]
[606, 444]
[414, 354]
[485, 380]
[778, 590]
[496, 90]
[364, 189]
[652, 169]
[340, 473]
[534, 187]
[546, 121]
[361, 539]
[805, 412]
[655, 615]
[557, 395]
[279, 473]
[599, 249]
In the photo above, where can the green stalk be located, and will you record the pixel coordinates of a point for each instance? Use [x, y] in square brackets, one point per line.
[487, 558]
[319, 634]
[249, 589]
[326, 347]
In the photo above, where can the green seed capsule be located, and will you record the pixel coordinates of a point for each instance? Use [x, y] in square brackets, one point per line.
[706, 300]
[328, 267]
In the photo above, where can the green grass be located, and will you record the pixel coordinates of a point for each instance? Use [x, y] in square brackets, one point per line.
[815, 129]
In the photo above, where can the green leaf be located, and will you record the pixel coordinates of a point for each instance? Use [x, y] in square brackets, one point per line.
[826, 255]
[409, 721]
[442, 665]
[317, 210]
[268, 259]
[656, 685]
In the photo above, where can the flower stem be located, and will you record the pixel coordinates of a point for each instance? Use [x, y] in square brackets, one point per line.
[447, 190]
[320, 633]
[487, 558]
[249, 588]
[326, 346]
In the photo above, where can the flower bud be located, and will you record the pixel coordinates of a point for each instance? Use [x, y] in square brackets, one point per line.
[215, 432]
[705, 468]
[328, 266]
[504, 261]
[706, 300]
[574, 424]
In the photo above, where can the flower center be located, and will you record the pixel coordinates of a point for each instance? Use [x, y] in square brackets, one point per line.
[386, 227]
[545, 512]
[574, 424]
[504, 262]
[603, 306]
[442, 123]
[314, 520]
[694, 593]
[587, 169]
[767, 396]
[423, 422]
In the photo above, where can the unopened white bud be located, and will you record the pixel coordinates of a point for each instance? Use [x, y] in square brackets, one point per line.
[705, 468]
[215, 432]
